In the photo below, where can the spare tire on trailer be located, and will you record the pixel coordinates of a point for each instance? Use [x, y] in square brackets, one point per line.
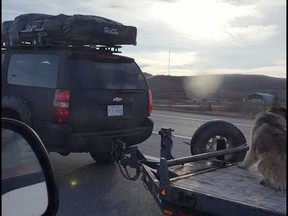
[205, 139]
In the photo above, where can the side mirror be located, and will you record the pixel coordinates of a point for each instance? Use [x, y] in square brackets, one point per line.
[28, 180]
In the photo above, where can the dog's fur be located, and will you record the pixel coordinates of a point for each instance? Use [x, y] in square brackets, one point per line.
[268, 147]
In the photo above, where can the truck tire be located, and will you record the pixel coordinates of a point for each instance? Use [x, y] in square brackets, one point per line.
[204, 139]
[102, 158]
[16, 108]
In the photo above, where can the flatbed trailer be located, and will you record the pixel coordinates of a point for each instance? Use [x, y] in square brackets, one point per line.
[205, 184]
[203, 188]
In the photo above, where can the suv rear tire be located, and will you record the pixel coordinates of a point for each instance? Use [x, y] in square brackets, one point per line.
[16, 108]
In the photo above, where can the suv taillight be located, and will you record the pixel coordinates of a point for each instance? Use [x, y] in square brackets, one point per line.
[61, 106]
[149, 102]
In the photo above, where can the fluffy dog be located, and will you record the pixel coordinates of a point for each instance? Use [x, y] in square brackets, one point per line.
[268, 147]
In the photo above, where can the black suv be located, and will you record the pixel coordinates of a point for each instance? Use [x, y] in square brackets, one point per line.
[77, 99]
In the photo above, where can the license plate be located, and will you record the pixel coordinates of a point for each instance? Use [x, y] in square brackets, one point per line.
[115, 110]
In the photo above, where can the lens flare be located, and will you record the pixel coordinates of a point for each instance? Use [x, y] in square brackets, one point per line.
[202, 86]
[73, 183]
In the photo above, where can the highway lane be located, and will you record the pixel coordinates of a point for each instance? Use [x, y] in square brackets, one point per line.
[186, 124]
[86, 188]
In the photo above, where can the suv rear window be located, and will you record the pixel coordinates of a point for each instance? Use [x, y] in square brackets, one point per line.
[91, 74]
[33, 70]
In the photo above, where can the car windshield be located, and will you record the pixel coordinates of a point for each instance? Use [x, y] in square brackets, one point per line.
[89, 74]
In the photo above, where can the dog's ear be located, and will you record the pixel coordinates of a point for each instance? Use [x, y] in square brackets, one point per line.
[278, 110]
[283, 111]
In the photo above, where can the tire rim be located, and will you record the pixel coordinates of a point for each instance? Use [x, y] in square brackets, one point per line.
[211, 145]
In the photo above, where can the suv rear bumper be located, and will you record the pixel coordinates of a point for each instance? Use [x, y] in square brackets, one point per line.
[59, 138]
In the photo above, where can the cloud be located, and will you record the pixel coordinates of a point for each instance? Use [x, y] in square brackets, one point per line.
[253, 2]
[274, 71]
[203, 36]
[116, 6]
[144, 66]
[158, 62]
[281, 62]
[241, 2]
[203, 21]
[168, 1]
[251, 33]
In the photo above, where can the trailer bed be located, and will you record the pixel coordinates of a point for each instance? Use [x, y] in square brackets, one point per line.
[208, 183]
[229, 188]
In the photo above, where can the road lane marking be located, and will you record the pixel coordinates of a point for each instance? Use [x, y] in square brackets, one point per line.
[238, 124]
[179, 117]
[195, 119]
[177, 136]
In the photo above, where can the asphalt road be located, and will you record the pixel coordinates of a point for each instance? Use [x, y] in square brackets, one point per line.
[86, 188]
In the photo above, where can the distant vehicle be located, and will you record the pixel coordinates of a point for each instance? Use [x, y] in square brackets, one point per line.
[261, 98]
[77, 97]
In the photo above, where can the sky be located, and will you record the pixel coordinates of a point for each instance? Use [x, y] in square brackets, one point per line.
[188, 37]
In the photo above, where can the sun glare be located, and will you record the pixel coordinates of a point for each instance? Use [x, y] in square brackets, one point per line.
[199, 20]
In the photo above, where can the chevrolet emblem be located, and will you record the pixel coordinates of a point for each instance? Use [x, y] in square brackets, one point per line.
[117, 99]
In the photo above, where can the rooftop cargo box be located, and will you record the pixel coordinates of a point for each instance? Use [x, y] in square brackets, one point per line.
[64, 29]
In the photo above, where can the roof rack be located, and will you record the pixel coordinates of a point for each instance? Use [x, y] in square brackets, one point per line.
[40, 38]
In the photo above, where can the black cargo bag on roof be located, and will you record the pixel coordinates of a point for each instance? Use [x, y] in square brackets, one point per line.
[75, 29]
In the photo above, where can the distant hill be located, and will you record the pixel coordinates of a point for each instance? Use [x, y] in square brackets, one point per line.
[147, 75]
[233, 87]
